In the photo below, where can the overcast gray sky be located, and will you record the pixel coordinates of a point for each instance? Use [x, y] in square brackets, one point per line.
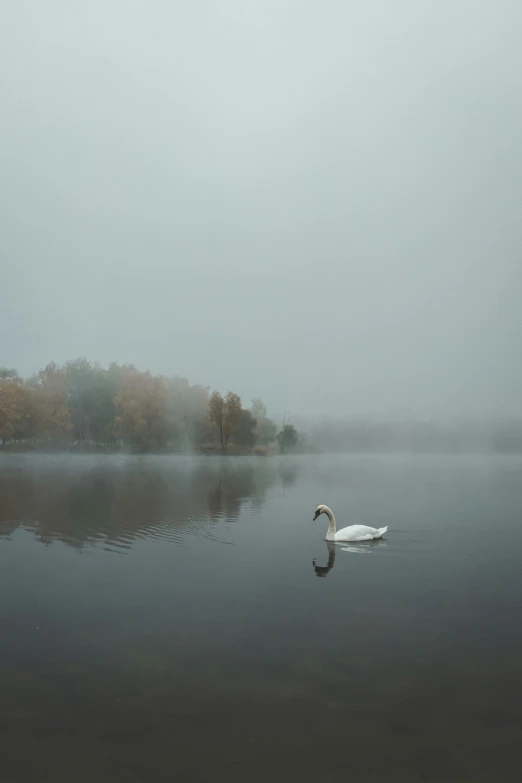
[316, 202]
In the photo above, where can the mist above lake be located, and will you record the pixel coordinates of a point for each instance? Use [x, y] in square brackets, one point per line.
[315, 204]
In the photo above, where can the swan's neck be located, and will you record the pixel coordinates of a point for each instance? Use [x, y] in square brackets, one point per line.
[330, 533]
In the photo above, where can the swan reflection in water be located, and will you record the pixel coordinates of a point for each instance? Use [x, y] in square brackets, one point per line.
[359, 549]
[325, 570]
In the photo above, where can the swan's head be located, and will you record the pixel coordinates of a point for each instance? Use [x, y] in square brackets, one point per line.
[319, 510]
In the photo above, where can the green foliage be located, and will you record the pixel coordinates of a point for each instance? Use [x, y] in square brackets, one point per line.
[266, 429]
[245, 434]
[92, 392]
[287, 438]
[266, 432]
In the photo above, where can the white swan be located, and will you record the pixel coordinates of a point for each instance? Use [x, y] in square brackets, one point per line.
[352, 533]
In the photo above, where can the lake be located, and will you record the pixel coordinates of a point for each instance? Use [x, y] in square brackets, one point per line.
[162, 620]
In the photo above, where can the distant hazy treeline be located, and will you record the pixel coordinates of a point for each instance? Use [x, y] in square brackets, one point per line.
[359, 434]
[83, 405]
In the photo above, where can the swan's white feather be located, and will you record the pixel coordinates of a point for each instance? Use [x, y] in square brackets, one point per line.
[358, 533]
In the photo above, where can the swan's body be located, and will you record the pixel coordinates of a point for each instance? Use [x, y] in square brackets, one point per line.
[352, 533]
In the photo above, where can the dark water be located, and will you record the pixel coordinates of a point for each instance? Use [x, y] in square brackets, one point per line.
[162, 620]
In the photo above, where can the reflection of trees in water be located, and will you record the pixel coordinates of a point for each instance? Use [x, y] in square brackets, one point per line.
[287, 472]
[86, 500]
[229, 490]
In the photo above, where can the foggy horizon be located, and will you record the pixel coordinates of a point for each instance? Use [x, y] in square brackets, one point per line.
[314, 205]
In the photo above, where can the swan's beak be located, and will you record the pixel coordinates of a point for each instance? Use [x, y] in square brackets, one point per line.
[317, 514]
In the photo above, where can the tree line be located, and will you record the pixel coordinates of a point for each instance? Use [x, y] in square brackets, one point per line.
[83, 404]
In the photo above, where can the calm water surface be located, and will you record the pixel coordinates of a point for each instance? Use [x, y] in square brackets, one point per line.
[162, 620]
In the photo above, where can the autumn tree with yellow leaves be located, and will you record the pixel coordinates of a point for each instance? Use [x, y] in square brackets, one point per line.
[225, 412]
[16, 410]
[85, 405]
